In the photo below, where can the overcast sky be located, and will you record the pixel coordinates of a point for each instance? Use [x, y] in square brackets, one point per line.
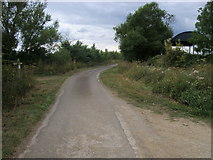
[93, 22]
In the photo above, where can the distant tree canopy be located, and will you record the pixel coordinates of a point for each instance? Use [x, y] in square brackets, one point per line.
[24, 25]
[143, 33]
[82, 53]
[203, 36]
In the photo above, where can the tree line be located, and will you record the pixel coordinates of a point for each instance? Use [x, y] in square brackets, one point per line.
[80, 52]
[29, 34]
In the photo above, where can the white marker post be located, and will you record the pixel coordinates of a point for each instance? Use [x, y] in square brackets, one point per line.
[18, 63]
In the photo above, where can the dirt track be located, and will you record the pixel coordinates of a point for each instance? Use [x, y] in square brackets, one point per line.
[87, 120]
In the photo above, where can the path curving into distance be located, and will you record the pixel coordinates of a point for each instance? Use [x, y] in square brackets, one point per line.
[88, 121]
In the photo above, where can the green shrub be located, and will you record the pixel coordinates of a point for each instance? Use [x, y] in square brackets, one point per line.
[54, 68]
[178, 58]
[172, 86]
[199, 100]
[80, 65]
[154, 76]
[157, 61]
[209, 58]
[61, 57]
[146, 73]
[191, 85]
[137, 72]
[175, 58]
[15, 85]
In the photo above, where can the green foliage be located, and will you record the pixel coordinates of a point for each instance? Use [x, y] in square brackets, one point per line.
[157, 61]
[82, 53]
[137, 73]
[175, 58]
[60, 63]
[11, 20]
[200, 99]
[61, 57]
[186, 89]
[54, 68]
[18, 122]
[72, 56]
[168, 46]
[179, 58]
[203, 36]
[173, 84]
[142, 34]
[149, 75]
[122, 68]
[36, 35]
[15, 85]
[25, 23]
[191, 86]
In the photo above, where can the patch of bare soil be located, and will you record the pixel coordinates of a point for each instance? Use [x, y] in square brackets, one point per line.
[159, 136]
[45, 78]
[186, 138]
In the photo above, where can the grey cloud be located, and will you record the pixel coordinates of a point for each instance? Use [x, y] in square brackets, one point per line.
[185, 14]
[94, 21]
[93, 13]
[83, 30]
[102, 36]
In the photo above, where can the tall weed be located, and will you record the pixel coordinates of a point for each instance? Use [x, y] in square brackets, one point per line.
[191, 86]
[15, 85]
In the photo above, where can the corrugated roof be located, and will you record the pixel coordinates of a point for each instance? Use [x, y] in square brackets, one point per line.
[183, 37]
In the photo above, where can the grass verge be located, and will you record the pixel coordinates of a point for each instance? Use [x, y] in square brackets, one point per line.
[140, 95]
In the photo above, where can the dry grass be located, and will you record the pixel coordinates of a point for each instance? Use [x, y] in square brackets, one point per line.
[140, 94]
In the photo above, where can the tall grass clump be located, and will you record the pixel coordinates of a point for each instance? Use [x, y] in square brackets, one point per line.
[188, 86]
[173, 83]
[191, 86]
[136, 72]
[15, 85]
[146, 73]
[123, 67]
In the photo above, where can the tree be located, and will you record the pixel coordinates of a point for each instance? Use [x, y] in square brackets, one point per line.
[25, 24]
[36, 35]
[80, 52]
[143, 33]
[203, 36]
[11, 21]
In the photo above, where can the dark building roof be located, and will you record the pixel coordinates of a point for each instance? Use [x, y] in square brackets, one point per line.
[183, 37]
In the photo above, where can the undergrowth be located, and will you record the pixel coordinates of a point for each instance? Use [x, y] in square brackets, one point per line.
[191, 87]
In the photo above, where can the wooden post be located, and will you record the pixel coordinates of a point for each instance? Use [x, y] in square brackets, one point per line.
[18, 63]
